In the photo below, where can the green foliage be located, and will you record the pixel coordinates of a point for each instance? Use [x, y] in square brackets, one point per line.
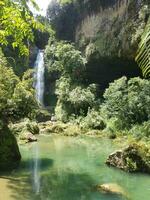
[41, 36]
[127, 102]
[63, 15]
[141, 131]
[24, 98]
[16, 24]
[63, 2]
[16, 96]
[137, 157]
[64, 58]
[63, 86]
[93, 120]
[62, 111]
[8, 80]
[73, 99]
[143, 52]
[82, 97]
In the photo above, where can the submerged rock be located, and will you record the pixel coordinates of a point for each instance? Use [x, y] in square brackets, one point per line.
[9, 151]
[111, 188]
[134, 158]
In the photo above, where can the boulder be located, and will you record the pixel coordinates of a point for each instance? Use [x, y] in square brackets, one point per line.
[111, 188]
[31, 138]
[25, 126]
[52, 127]
[133, 158]
[43, 115]
[28, 137]
[33, 128]
[9, 151]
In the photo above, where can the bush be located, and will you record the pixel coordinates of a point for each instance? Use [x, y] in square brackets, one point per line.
[93, 120]
[82, 97]
[63, 58]
[63, 87]
[25, 104]
[17, 99]
[62, 111]
[127, 102]
[73, 99]
[141, 131]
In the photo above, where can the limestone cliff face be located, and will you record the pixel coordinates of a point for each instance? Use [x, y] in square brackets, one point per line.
[111, 26]
[108, 33]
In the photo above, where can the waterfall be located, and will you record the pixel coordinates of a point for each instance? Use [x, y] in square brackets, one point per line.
[39, 89]
[39, 76]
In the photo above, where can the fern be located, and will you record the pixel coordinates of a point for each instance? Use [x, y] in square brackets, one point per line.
[143, 53]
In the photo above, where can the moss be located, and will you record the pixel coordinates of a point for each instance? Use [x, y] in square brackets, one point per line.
[25, 126]
[134, 158]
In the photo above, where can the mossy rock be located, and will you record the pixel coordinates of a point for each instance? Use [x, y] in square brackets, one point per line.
[33, 128]
[43, 115]
[52, 127]
[72, 130]
[27, 137]
[23, 126]
[134, 158]
[9, 151]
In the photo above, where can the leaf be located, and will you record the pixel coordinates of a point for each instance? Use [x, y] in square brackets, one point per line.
[143, 53]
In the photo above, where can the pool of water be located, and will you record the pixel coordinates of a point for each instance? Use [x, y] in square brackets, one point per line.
[67, 168]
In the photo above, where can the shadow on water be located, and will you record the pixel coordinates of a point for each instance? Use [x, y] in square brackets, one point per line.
[44, 164]
[21, 182]
[70, 186]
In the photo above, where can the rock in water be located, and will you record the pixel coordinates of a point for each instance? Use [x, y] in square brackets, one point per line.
[28, 137]
[134, 158]
[111, 188]
[31, 138]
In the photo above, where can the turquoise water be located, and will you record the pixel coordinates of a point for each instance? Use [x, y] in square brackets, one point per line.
[67, 168]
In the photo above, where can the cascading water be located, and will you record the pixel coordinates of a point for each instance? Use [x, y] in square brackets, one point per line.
[39, 89]
[39, 77]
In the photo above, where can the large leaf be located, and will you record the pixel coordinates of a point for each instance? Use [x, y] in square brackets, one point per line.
[143, 53]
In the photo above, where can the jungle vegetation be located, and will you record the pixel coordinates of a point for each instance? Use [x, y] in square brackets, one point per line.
[124, 106]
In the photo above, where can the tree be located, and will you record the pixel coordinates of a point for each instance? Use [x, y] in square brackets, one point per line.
[17, 98]
[127, 101]
[16, 24]
[64, 58]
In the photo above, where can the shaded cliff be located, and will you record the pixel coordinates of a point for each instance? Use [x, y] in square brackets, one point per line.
[107, 32]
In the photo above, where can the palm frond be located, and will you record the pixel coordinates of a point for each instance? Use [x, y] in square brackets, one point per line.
[143, 53]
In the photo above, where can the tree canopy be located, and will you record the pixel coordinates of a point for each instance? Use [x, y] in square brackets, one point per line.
[17, 24]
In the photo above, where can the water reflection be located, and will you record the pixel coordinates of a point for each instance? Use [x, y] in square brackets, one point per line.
[63, 168]
[35, 165]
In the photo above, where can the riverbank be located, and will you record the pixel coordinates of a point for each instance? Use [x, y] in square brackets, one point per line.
[132, 154]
